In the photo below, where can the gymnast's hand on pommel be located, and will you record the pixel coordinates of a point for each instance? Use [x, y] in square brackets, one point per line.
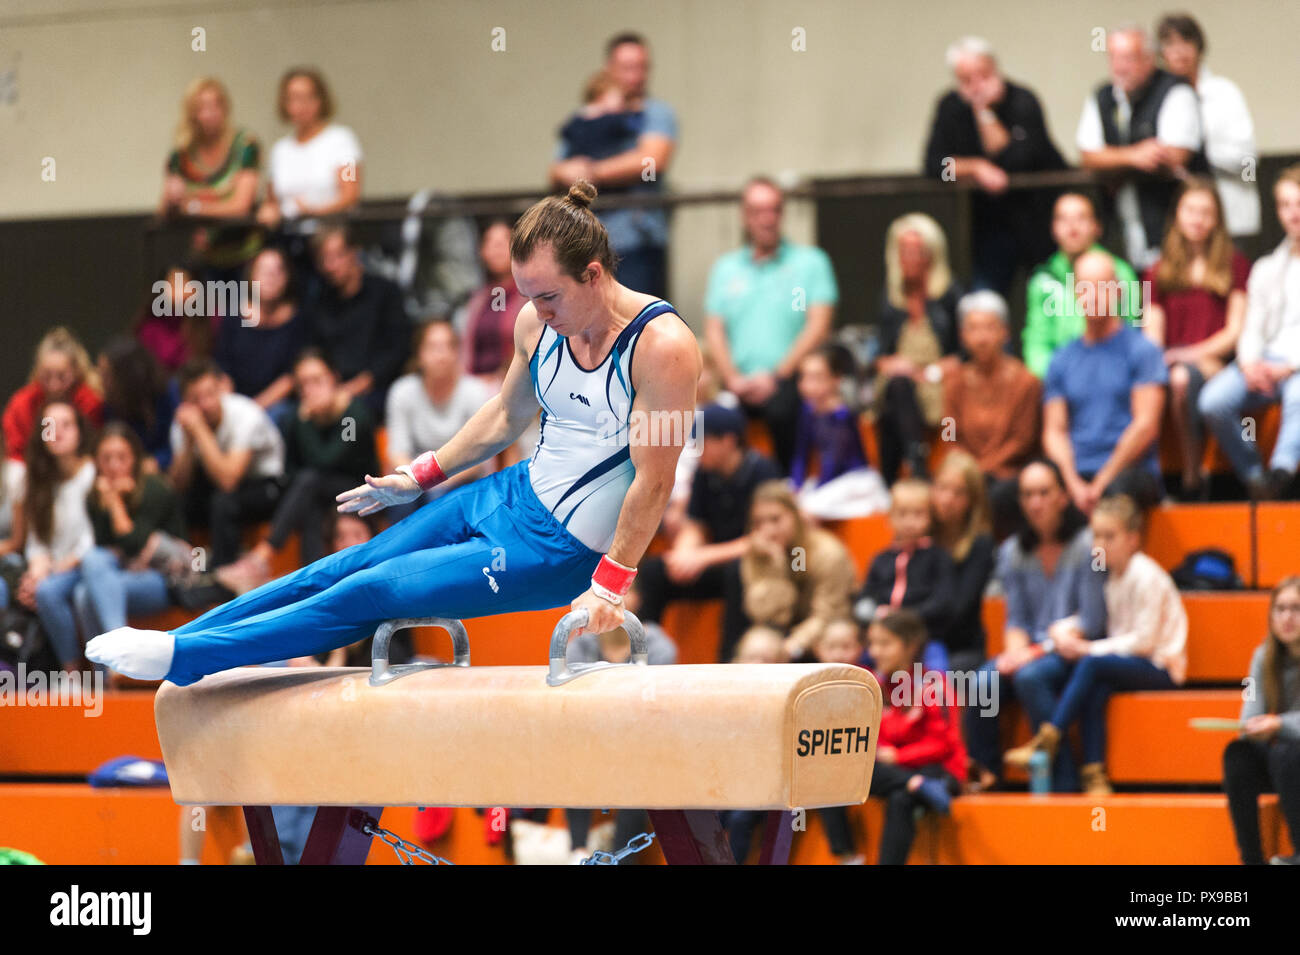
[603, 616]
[378, 493]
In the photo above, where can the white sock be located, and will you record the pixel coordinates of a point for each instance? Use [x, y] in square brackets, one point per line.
[139, 654]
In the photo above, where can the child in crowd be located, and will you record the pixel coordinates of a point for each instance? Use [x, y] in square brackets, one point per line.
[760, 645]
[1145, 647]
[1266, 756]
[840, 642]
[920, 757]
[911, 572]
[600, 128]
[830, 469]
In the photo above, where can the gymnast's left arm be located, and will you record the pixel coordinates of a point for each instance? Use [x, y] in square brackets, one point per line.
[665, 371]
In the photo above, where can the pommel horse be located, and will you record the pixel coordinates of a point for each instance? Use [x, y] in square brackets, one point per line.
[680, 741]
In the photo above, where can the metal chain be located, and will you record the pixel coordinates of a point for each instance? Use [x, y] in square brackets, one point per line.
[402, 849]
[638, 843]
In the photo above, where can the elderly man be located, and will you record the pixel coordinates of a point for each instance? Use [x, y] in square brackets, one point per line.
[1104, 396]
[1143, 126]
[993, 403]
[638, 235]
[768, 304]
[984, 128]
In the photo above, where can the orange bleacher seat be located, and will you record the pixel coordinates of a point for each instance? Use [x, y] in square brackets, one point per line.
[71, 740]
[1149, 739]
[1173, 531]
[1277, 527]
[865, 537]
[1214, 461]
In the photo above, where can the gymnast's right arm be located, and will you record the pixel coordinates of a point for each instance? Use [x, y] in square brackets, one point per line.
[492, 429]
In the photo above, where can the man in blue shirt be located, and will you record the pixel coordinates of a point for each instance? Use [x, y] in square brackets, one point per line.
[1104, 396]
[639, 236]
[769, 304]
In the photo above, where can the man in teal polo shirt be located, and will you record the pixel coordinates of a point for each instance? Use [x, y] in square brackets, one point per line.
[769, 303]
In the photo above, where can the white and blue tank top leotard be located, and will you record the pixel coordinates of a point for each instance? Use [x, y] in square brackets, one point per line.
[582, 467]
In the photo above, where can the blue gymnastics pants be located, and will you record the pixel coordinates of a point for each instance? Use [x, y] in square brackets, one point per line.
[485, 548]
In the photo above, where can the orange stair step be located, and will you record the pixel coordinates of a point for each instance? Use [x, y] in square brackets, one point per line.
[72, 740]
[1277, 527]
[1174, 531]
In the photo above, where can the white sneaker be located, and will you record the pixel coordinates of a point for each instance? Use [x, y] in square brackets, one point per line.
[139, 654]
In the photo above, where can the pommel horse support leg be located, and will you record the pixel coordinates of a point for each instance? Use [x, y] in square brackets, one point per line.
[681, 741]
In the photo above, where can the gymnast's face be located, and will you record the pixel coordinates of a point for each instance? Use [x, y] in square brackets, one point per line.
[564, 304]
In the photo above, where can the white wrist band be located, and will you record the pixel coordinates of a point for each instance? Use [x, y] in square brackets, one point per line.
[606, 594]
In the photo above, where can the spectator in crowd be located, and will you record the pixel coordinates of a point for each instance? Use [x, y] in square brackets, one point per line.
[177, 322]
[1053, 318]
[920, 757]
[1266, 756]
[257, 350]
[227, 459]
[708, 390]
[616, 647]
[993, 404]
[917, 331]
[1145, 647]
[602, 126]
[329, 447]
[62, 369]
[1050, 587]
[984, 128]
[1225, 122]
[768, 304]
[840, 642]
[429, 405]
[828, 440]
[213, 173]
[912, 572]
[961, 527]
[638, 236]
[315, 171]
[703, 559]
[137, 522]
[12, 477]
[138, 393]
[796, 578]
[1198, 301]
[56, 527]
[1103, 399]
[1143, 126]
[1268, 356]
[760, 644]
[360, 322]
[488, 320]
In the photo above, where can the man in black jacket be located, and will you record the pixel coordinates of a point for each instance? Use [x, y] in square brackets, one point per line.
[983, 129]
[360, 322]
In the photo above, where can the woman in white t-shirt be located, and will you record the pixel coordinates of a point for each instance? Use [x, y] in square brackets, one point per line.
[54, 523]
[316, 170]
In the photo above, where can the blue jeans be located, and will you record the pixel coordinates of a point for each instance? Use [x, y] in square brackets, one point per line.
[1225, 398]
[1089, 689]
[1036, 685]
[107, 593]
[54, 609]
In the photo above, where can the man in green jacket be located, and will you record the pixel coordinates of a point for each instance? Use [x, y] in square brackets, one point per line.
[1053, 317]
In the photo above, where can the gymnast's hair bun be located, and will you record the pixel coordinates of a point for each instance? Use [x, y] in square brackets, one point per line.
[582, 193]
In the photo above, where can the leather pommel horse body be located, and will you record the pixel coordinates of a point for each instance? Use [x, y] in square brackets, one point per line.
[681, 741]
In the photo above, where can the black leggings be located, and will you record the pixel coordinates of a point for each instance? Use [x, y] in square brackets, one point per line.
[303, 508]
[720, 580]
[1250, 769]
[900, 430]
[889, 781]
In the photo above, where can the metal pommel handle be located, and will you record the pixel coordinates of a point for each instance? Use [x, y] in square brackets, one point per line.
[561, 672]
[380, 670]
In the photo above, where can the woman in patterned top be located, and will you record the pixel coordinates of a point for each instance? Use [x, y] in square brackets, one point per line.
[213, 172]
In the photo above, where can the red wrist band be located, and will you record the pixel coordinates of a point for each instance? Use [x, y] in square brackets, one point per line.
[612, 575]
[426, 471]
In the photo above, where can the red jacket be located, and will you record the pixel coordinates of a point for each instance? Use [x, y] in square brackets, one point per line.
[924, 733]
[20, 414]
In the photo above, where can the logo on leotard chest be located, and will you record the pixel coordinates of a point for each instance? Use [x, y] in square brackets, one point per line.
[577, 397]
